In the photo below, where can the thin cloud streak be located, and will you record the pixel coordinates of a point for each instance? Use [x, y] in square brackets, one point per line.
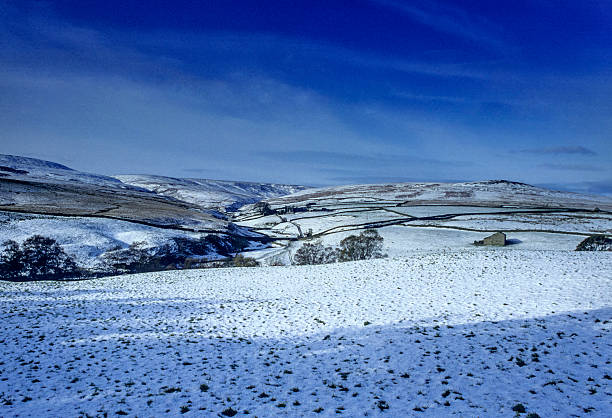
[257, 44]
[602, 187]
[571, 167]
[570, 150]
[334, 158]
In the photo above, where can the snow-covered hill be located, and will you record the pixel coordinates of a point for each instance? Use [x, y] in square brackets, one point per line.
[24, 168]
[445, 333]
[210, 194]
[409, 215]
[204, 193]
[90, 214]
[492, 193]
[28, 185]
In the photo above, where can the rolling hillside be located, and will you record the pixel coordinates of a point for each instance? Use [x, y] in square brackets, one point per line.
[491, 193]
[210, 194]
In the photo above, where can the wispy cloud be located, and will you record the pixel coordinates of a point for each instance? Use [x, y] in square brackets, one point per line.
[200, 171]
[339, 158]
[569, 150]
[162, 55]
[432, 98]
[168, 102]
[357, 179]
[449, 19]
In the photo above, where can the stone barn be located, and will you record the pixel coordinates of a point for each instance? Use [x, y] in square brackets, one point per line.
[498, 239]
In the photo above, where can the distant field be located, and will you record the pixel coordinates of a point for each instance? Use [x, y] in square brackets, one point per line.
[426, 227]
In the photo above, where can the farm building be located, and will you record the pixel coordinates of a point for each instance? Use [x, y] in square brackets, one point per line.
[497, 239]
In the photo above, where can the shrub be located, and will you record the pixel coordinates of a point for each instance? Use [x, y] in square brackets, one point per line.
[241, 261]
[595, 243]
[190, 253]
[11, 261]
[368, 244]
[38, 258]
[315, 253]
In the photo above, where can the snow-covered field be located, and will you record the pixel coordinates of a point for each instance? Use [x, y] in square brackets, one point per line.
[456, 215]
[483, 219]
[582, 223]
[404, 241]
[409, 231]
[446, 332]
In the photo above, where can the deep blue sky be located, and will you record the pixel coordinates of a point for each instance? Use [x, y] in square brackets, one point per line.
[313, 92]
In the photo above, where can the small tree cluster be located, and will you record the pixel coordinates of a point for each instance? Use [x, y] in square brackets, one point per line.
[264, 208]
[367, 245]
[595, 243]
[38, 258]
[315, 253]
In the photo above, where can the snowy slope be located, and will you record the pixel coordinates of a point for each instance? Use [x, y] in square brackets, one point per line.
[462, 333]
[24, 168]
[28, 185]
[210, 194]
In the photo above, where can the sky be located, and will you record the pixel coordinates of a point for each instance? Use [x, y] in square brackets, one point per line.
[313, 92]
